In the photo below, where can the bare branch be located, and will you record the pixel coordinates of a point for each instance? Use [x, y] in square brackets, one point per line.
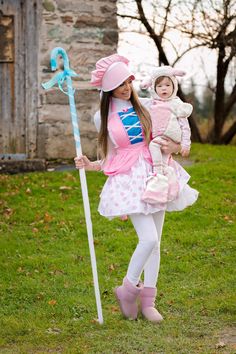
[157, 39]
[128, 16]
[167, 12]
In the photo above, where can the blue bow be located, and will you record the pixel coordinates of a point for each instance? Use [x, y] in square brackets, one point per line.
[59, 79]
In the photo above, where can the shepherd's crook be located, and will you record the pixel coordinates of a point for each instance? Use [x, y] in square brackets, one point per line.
[59, 79]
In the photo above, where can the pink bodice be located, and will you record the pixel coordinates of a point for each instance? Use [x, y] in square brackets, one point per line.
[125, 154]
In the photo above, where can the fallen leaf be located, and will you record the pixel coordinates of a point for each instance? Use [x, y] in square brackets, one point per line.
[52, 302]
[227, 218]
[40, 296]
[8, 212]
[47, 217]
[53, 330]
[220, 345]
[115, 309]
[20, 270]
[94, 320]
[64, 188]
[170, 302]
[111, 267]
[56, 272]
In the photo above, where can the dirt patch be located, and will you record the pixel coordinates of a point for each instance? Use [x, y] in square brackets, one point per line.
[227, 340]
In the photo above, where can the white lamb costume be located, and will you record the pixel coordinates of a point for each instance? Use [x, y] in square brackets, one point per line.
[169, 119]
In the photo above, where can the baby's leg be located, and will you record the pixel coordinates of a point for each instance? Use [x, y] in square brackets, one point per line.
[155, 150]
[157, 184]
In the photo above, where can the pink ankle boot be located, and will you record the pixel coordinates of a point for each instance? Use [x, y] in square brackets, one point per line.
[127, 295]
[173, 190]
[156, 189]
[147, 298]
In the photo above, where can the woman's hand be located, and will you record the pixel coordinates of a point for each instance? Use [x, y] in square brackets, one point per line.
[83, 162]
[168, 146]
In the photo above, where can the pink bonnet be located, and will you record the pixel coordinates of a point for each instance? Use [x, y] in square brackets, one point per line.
[110, 72]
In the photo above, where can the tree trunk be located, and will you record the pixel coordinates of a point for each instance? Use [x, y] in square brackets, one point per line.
[228, 136]
[219, 106]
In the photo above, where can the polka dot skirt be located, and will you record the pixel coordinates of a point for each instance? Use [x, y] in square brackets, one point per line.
[121, 194]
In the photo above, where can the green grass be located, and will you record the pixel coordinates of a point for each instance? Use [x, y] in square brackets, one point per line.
[46, 291]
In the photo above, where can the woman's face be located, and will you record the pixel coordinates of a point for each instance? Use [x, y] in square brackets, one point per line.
[124, 90]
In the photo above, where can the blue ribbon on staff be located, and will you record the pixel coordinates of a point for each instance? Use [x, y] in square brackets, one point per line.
[59, 79]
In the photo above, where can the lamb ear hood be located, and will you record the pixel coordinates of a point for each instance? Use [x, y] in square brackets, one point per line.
[169, 72]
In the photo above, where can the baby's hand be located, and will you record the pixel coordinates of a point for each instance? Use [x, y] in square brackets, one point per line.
[185, 152]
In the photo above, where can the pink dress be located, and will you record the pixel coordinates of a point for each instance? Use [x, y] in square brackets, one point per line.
[128, 165]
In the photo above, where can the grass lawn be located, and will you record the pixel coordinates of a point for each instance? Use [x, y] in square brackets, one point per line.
[46, 290]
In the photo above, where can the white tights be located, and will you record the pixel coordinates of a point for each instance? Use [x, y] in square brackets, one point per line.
[147, 253]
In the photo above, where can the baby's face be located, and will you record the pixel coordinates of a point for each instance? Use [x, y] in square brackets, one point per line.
[165, 88]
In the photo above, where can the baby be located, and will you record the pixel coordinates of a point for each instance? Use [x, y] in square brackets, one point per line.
[169, 119]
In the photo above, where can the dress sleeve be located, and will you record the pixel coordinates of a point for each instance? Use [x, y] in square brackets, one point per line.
[184, 109]
[97, 120]
[186, 133]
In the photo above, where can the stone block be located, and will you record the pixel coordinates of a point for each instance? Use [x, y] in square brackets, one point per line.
[59, 142]
[54, 113]
[48, 5]
[55, 32]
[85, 35]
[55, 97]
[73, 5]
[110, 37]
[67, 19]
[19, 166]
[88, 21]
[106, 9]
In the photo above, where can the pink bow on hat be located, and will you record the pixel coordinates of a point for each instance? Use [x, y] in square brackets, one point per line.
[110, 72]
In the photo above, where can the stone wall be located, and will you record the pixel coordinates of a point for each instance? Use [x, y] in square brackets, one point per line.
[87, 31]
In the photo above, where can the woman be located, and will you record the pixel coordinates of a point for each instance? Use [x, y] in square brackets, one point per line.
[124, 127]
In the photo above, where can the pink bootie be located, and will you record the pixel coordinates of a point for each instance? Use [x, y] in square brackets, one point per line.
[147, 298]
[127, 295]
[156, 189]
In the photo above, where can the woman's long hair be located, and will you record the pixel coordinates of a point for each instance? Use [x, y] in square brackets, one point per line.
[141, 111]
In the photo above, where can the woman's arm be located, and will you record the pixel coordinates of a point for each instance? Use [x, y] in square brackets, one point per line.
[168, 146]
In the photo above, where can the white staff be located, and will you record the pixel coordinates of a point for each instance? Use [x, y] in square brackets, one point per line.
[59, 79]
